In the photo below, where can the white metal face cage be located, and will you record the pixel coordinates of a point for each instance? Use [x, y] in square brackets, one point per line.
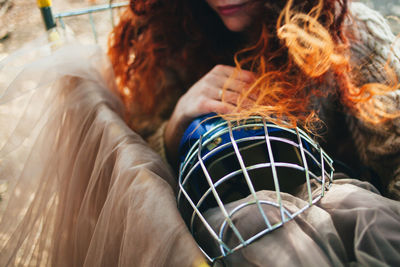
[231, 161]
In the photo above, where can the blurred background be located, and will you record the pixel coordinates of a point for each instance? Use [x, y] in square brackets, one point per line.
[20, 20]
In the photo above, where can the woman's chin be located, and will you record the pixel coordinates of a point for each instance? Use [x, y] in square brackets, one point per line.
[235, 26]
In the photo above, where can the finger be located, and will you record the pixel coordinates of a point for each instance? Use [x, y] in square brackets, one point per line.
[243, 75]
[211, 91]
[233, 98]
[234, 73]
[218, 107]
[223, 70]
[240, 88]
[236, 86]
[215, 80]
[215, 90]
[219, 94]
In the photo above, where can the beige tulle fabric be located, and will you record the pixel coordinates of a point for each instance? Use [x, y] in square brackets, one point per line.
[85, 190]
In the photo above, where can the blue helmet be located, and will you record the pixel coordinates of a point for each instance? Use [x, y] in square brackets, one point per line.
[224, 161]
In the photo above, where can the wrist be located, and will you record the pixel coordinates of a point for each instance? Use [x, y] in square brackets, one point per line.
[171, 138]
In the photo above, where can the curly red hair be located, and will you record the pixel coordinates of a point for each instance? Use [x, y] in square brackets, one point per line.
[160, 48]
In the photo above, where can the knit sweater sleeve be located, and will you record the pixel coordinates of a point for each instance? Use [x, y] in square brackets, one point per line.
[377, 145]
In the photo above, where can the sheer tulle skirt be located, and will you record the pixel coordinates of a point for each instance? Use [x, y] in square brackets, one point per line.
[83, 189]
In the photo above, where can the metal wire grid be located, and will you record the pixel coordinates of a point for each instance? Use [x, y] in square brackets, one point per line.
[59, 17]
[324, 163]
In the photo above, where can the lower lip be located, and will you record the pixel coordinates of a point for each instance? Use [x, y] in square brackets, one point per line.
[230, 10]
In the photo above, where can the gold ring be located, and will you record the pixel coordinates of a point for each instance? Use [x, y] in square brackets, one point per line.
[220, 94]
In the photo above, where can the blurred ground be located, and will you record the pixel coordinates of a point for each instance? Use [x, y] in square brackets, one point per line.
[20, 21]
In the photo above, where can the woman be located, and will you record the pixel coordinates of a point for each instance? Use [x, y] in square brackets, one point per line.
[309, 63]
[85, 190]
[322, 80]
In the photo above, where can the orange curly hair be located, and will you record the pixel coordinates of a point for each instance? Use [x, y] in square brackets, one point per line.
[160, 48]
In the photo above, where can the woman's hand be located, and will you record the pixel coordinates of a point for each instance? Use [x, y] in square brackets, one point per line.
[202, 98]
